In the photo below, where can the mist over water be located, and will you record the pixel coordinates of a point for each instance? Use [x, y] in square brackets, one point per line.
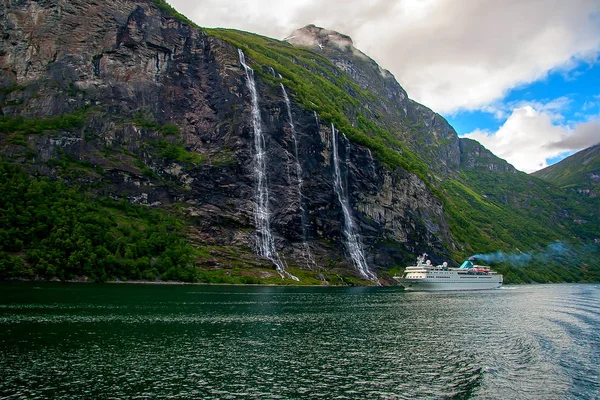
[135, 341]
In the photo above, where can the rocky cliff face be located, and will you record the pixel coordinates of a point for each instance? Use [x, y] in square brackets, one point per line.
[474, 155]
[143, 106]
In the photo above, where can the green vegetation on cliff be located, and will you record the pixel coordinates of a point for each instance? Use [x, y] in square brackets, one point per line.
[580, 172]
[49, 230]
[512, 213]
[169, 10]
[26, 126]
[316, 84]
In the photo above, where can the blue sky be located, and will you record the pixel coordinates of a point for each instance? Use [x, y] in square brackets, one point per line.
[581, 87]
[520, 76]
[566, 105]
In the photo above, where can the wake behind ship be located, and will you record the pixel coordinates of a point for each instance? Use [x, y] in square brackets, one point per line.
[425, 276]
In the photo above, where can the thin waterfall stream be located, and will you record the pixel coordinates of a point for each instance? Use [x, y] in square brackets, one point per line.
[353, 243]
[303, 217]
[264, 237]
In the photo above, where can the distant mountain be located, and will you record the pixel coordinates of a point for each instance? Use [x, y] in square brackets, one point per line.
[579, 172]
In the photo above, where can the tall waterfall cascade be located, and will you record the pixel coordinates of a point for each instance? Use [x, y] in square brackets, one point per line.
[352, 238]
[304, 218]
[264, 237]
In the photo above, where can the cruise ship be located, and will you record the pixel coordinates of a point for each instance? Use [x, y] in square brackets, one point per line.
[425, 276]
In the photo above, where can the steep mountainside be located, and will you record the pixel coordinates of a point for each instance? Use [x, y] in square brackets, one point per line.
[579, 172]
[219, 155]
[422, 130]
[491, 207]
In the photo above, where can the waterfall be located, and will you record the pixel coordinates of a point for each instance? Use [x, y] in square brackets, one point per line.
[264, 237]
[372, 162]
[303, 216]
[353, 244]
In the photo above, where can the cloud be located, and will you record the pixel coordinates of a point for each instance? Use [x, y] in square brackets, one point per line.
[591, 104]
[450, 55]
[582, 136]
[532, 135]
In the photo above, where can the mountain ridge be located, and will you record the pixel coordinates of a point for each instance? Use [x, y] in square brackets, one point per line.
[579, 172]
[153, 111]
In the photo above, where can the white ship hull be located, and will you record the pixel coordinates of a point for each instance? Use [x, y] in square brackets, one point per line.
[427, 277]
[429, 284]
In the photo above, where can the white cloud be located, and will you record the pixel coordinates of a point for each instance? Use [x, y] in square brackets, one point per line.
[591, 104]
[582, 136]
[447, 54]
[531, 136]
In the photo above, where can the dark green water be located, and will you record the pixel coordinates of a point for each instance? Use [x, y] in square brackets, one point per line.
[137, 341]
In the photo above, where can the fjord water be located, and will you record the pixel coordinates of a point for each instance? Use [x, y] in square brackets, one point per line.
[144, 341]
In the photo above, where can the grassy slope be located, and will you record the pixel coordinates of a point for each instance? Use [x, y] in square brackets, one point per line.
[316, 84]
[515, 213]
[573, 171]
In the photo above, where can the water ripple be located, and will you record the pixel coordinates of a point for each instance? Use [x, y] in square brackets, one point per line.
[526, 342]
